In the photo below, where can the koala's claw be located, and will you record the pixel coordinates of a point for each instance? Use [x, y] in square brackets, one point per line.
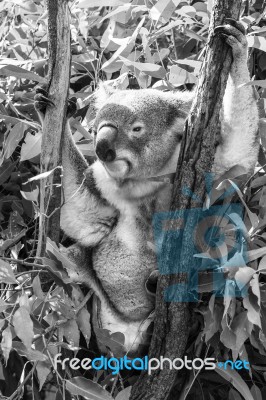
[234, 34]
[237, 24]
[71, 106]
[232, 28]
[41, 100]
[42, 90]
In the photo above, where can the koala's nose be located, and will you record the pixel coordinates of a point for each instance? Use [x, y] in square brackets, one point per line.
[105, 143]
[104, 151]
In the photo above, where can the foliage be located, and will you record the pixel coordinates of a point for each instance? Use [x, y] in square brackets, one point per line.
[137, 44]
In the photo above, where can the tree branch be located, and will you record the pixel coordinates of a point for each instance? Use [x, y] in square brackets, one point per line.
[55, 119]
[172, 319]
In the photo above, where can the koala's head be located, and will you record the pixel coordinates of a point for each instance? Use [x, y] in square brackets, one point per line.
[136, 132]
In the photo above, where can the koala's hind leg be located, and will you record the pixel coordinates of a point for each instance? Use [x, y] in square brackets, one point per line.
[240, 113]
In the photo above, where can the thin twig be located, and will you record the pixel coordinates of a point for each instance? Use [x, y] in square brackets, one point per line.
[174, 43]
[84, 301]
[16, 393]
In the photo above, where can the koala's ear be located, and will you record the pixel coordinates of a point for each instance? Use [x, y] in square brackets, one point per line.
[184, 101]
[97, 99]
[102, 94]
[179, 105]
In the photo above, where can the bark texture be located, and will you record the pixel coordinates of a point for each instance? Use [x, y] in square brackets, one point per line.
[172, 321]
[54, 122]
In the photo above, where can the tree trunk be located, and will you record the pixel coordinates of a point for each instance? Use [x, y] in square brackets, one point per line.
[171, 328]
[55, 119]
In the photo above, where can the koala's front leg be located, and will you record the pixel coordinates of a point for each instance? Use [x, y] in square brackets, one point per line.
[85, 215]
[71, 156]
[239, 116]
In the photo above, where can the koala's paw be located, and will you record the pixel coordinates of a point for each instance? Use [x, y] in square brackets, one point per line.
[41, 101]
[234, 34]
[105, 226]
[108, 223]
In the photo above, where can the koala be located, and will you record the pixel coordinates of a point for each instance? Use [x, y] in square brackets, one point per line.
[109, 205]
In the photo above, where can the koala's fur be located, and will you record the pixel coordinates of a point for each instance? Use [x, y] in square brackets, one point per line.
[109, 205]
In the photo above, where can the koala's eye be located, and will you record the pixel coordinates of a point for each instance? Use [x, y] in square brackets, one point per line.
[137, 129]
